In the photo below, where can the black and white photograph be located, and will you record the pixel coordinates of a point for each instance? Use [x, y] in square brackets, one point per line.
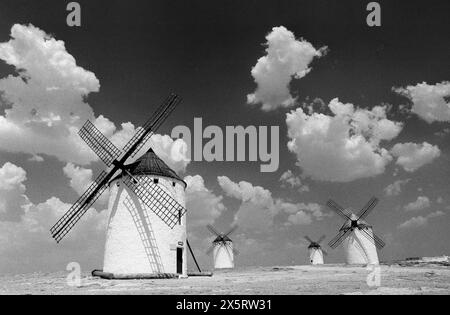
[224, 153]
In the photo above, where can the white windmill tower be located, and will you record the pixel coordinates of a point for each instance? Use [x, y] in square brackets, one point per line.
[315, 251]
[360, 243]
[222, 249]
[146, 234]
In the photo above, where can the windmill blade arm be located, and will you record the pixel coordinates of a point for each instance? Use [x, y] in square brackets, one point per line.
[233, 229]
[145, 132]
[83, 204]
[367, 208]
[339, 238]
[101, 145]
[321, 239]
[210, 250]
[378, 242]
[345, 214]
[236, 252]
[308, 239]
[156, 199]
[212, 230]
[324, 252]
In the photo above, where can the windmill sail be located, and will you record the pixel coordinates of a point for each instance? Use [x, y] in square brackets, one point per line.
[156, 199]
[68, 221]
[109, 154]
[378, 242]
[145, 132]
[355, 222]
[344, 213]
[104, 148]
[367, 209]
[335, 242]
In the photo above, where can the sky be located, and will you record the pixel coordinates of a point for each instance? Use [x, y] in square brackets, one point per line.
[362, 111]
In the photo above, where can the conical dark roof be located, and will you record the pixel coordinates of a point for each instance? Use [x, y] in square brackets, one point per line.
[151, 164]
[221, 238]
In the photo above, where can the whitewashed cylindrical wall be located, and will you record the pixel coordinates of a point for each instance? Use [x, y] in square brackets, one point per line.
[315, 256]
[359, 250]
[223, 255]
[138, 241]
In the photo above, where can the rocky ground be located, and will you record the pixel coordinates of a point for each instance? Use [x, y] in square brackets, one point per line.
[329, 279]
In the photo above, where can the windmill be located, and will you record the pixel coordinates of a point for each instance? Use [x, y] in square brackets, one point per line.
[360, 243]
[316, 252]
[146, 233]
[222, 249]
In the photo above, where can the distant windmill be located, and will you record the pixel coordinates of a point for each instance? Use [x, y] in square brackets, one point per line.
[147, 228]
[360, 243]
[222, 249]
[316, 252]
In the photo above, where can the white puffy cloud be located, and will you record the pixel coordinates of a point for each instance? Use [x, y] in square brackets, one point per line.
[395, 188]
[173, 152]
[444, 132]
[287, 58]
[204, 207]
[45, 101]
[420, 221]
[421, 203]
[245, 191]
[36, 158]
[25, 242]
[12, 192]
[288, 179]
[46, 104]
[412, 156]
[258, 208]
[344, 146]
[429, 101]
[26, 246]
[80, 178]
[11, 176]
[303, 214]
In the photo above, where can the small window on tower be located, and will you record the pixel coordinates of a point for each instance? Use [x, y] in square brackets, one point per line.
[156, 181]
[174, 184]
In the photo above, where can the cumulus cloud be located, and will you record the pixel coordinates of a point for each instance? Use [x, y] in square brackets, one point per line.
[12, 192]
[429, 101]
[303, 214]
[412, 156]
[343, 146]
[173, 152]
[258, 208]
[36, 158]
[421, 203]
[288, 179]
[45, 101]
[80, 178]
[395, 188]
[287, 58]
[444, 132]
[204, 207]
[26, 246]
[25, 242]
[45, 104]
[420, 221]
